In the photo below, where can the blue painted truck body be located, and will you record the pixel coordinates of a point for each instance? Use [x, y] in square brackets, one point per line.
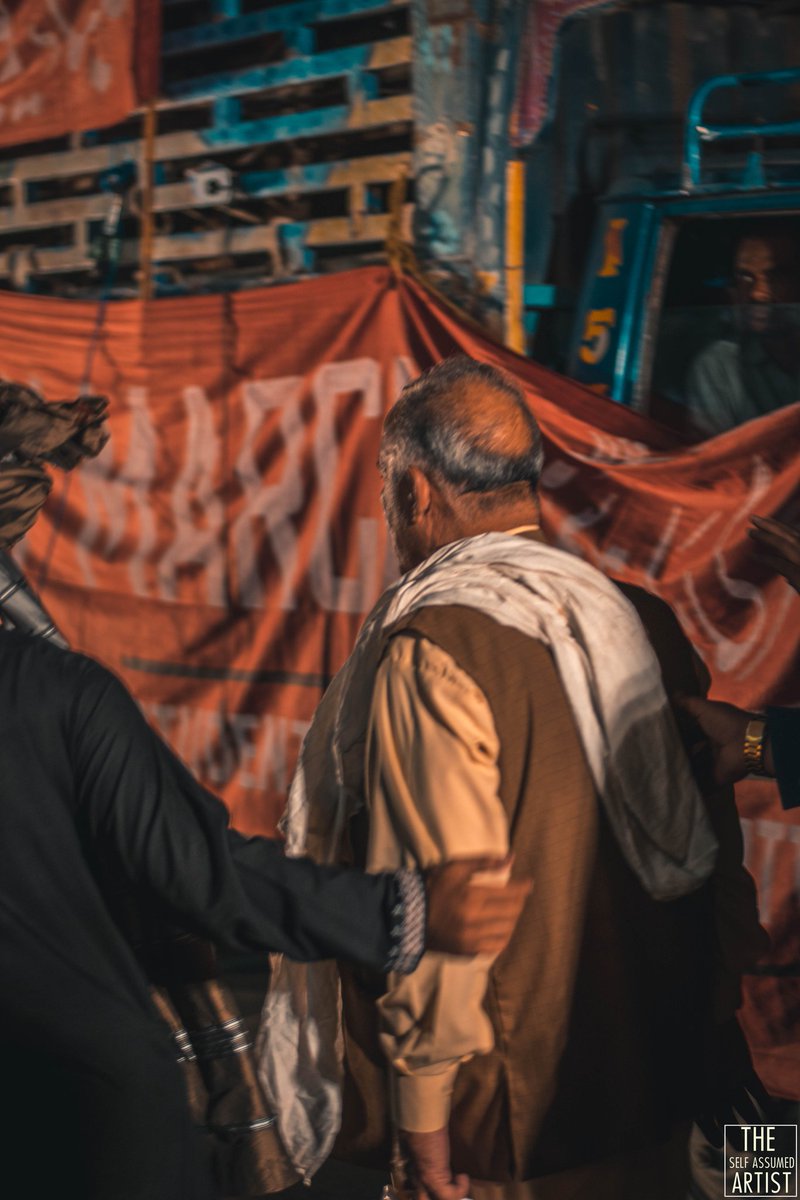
[615, 317]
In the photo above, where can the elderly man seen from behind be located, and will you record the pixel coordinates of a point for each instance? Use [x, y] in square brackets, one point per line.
[504, 695]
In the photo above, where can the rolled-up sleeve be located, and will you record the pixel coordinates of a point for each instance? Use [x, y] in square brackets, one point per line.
[433, 786]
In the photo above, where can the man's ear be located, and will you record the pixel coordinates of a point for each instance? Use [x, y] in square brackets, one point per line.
[419, 496]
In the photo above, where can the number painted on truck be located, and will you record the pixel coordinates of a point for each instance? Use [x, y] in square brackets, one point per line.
[597, 334]
[612, 248]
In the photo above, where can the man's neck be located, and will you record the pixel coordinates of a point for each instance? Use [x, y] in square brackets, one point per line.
[506, 520]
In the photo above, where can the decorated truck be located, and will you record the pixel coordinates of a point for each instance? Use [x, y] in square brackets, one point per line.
[691, 288]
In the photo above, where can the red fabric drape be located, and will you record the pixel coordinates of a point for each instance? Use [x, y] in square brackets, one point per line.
[221, 553]
[71, 65]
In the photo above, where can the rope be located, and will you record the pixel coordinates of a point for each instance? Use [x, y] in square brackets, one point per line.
[109, 254]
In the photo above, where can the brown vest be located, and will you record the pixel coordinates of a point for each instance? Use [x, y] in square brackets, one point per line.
[600, 1002]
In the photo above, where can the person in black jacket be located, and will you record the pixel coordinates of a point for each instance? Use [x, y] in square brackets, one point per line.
[93, 805]
[98, 819]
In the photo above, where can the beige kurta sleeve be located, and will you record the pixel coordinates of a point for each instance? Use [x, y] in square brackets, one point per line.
[433, 788]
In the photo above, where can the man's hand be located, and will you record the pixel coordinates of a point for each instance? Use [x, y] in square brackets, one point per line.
[778, 547]
[468, 914]
[431, 1177]
[724, 726]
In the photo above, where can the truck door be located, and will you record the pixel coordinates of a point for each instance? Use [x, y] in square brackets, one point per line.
[610, 309]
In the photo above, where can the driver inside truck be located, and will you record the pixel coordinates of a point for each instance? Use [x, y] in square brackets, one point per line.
[755, 368]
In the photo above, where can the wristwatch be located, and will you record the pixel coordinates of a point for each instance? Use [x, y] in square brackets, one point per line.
[753, 748]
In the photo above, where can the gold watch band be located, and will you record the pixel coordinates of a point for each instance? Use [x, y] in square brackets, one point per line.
[753, 748]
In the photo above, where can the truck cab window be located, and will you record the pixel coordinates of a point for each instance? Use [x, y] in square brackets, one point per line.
[727, 346]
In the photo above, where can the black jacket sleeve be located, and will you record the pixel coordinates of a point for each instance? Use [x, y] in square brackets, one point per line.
[166, 834]
[783, 728]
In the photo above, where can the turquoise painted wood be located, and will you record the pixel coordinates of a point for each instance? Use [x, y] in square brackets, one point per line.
[286, 17]
[264, 170]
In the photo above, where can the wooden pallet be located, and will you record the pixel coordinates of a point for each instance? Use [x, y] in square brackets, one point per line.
[276, 163]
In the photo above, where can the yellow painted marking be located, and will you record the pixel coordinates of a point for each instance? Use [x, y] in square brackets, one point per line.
[515, 255]
[597, 334]
[612, 248]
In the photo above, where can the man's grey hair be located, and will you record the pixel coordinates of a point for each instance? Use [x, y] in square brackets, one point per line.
[430, 427]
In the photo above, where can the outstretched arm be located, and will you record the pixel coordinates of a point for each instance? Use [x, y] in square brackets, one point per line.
[168, 835]
[726, 727]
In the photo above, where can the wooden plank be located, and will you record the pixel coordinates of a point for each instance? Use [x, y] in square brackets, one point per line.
[217, 243]
[56, 212]
[315, 177]
[55, 261]
[172, 146]
[282, 18]
[314, 123]
[341, 231]
[85, 160]
[376, 56]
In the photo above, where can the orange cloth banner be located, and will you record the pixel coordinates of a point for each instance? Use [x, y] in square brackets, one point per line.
[74, 64]
[221, 553]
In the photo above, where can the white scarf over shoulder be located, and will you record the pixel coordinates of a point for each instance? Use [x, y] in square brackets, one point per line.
[613, 684]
